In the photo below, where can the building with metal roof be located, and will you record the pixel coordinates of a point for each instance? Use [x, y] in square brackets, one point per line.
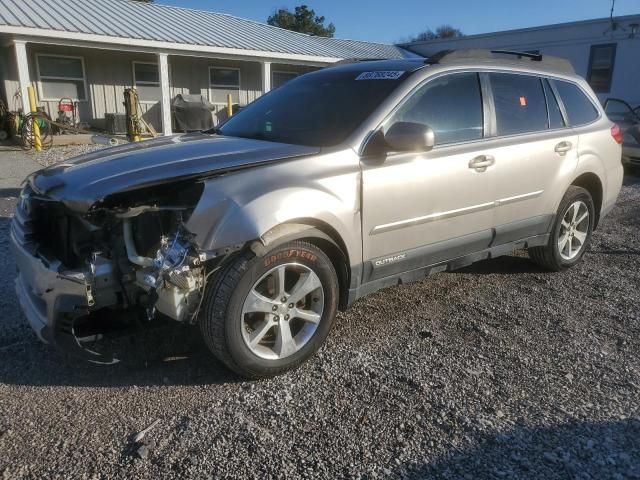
[90, 50]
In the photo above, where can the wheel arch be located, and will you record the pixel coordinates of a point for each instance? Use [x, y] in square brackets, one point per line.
[592, 183]
[318, 233]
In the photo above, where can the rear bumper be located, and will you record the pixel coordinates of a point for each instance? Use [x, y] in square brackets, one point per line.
[50, 300]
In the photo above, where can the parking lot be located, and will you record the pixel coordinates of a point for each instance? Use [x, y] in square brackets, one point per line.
[500, 370]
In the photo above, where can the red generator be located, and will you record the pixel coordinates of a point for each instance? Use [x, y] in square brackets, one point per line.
[67, 113]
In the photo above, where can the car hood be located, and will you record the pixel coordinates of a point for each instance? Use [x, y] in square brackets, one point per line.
[87, 179]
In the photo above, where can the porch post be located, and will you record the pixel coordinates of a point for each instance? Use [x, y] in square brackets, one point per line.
[163, 68]
[266, 77]
[23, 73]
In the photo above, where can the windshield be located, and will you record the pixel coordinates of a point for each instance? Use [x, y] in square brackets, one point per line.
[319, 109]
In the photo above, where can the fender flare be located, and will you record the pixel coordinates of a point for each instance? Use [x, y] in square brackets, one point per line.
[287, 232]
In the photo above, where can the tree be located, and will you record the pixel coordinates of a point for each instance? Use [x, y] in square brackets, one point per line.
[443, 31]
[303, 20]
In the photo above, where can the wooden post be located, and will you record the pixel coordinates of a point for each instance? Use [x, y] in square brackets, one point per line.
[24, 78]
[131, 109]
[163, 68]
[266, 77]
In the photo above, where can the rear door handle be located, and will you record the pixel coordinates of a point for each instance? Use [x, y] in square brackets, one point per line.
[481, 162]
[563, 147]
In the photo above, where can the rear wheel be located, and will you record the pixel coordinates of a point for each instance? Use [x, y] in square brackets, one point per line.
[266, 315]
[571, 232]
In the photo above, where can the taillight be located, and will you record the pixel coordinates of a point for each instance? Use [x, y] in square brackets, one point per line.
[616, 133]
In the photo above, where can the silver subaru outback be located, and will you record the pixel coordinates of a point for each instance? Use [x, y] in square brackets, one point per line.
[342, 182]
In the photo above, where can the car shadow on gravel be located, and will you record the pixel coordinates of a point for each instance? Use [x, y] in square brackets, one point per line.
[512, 264]
[172, 354]
[592, 450]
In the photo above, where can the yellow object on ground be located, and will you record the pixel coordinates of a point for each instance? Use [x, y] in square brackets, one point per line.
[229, 106]
[37, 142]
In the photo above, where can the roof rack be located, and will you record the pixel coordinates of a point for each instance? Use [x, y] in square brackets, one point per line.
[535, 57]
[546, 62]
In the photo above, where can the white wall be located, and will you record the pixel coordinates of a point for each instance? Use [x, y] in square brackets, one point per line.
[571, 41]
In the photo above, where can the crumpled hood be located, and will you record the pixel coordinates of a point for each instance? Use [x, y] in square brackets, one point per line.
[87, 179]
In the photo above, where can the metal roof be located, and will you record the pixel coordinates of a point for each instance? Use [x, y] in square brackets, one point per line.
[176, 25]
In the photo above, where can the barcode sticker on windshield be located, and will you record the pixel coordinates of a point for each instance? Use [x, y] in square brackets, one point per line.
[382, 75]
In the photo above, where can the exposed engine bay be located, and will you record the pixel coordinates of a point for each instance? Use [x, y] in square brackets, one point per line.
[131, 251]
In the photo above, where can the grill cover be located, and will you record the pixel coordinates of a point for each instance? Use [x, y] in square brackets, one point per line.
[192, 112]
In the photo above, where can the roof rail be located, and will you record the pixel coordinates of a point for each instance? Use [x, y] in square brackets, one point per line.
[545, 62]
[535, 57]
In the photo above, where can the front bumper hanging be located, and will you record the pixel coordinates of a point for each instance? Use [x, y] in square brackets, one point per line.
[52, 301]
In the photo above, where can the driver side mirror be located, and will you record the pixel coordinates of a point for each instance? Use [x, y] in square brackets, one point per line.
[410, 137]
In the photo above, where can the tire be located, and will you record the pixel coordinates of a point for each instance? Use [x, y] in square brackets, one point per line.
[550, 255]
[229, 320]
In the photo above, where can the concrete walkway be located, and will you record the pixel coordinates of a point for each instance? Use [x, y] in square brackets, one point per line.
[15, 165]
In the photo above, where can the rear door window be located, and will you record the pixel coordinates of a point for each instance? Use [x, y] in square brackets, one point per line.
[555, 114]
[519, 103]
[579, 108]
[451, 105]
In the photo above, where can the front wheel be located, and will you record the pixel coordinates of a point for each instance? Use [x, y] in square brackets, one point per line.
[266, 315]
[571, 232]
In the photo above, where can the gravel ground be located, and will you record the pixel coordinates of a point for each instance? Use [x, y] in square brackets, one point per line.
[497, 371]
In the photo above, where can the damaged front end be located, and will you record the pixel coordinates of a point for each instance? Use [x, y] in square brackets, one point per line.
[120, 263]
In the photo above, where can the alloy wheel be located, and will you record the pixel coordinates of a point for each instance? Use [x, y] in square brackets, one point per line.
[282, 311]
[574, 230]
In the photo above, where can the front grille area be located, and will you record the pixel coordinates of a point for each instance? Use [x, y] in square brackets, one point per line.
[48, 230]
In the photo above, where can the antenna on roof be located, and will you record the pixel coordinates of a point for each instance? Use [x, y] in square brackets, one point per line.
[614, 26]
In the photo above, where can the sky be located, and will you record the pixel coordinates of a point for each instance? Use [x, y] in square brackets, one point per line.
[392, 21]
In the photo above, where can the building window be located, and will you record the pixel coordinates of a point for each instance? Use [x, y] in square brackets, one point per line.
[146, 80]
[280, 78]
[224, 81]
[61, 77]
[601, 61]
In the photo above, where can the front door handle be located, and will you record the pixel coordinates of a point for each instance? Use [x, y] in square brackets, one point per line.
[481, 162]
[563, 147]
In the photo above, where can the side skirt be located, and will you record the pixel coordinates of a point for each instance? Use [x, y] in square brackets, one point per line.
[456, 263]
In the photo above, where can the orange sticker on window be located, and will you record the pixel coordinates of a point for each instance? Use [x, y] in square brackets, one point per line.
[523, 101]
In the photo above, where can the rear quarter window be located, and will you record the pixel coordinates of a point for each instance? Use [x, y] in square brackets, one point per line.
[578, 106]
[520, 103]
